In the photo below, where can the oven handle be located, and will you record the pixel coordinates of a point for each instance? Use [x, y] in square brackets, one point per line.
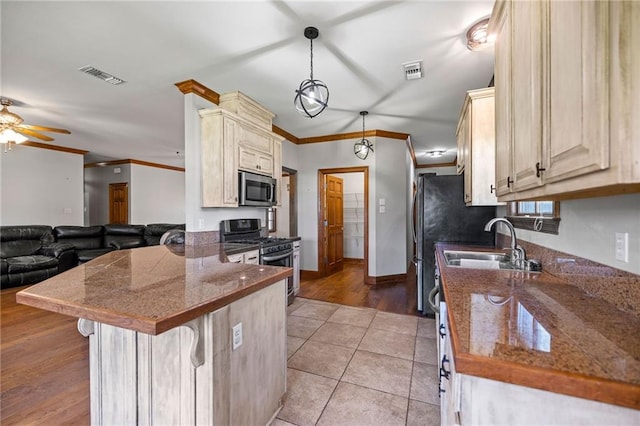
[278, 257]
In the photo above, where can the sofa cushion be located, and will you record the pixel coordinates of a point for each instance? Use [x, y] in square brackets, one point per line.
[82, 237]
[119, 236]
[154, 231]
[4, 266]
[87, 255]
[23, 240]
[20, 264]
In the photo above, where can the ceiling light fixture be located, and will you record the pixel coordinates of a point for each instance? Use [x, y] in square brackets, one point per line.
[362, 148]
[478, 37]
[435, 153]
[312, 97]
[8, 137]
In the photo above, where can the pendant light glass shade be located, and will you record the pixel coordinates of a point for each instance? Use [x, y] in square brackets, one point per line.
[362, 148]
[312, 97]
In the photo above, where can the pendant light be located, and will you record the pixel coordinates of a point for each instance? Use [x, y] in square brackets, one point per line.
[362, 148]
[312, 96]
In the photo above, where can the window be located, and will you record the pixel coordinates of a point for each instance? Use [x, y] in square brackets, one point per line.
[540, 216]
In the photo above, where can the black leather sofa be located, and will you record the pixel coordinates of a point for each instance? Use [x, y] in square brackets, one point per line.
[28, 254]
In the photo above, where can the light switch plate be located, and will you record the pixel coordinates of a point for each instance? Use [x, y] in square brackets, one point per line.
[622, 246]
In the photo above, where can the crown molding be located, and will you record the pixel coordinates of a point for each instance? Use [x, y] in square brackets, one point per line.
[192, 86]
[450, 164]
[54, 147]
[132, 161]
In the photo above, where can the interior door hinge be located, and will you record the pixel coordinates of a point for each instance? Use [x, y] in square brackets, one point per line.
[326, 223]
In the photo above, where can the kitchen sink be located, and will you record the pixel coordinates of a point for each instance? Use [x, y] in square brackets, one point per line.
[478, 259]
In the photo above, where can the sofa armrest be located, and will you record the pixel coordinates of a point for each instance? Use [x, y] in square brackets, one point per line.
[56, 249]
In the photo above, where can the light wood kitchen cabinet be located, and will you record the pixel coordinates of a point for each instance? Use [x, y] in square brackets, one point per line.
[476, 137]
[219, 159]
[255, 150]
[251, 257]
[231, 143]
[566, 74]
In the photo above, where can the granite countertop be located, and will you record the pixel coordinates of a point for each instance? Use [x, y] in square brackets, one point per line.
[535, 330]
[152, 289]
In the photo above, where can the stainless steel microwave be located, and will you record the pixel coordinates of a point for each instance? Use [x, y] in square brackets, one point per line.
[256, 190]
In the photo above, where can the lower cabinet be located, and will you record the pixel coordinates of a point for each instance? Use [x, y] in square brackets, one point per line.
[252, 257]
[472, 400]
[191, 375]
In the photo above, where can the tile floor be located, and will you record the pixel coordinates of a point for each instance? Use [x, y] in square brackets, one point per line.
[359, 366]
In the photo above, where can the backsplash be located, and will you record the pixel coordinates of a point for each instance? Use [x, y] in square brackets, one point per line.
[618, 287]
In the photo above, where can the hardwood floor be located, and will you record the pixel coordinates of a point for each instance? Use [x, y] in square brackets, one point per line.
[348, 288]
[45, 366]
[45, 361]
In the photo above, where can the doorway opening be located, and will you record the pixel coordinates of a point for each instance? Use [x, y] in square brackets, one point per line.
[332, 220]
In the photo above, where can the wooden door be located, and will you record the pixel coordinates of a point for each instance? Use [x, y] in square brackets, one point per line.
[119, 203]
[334, 225]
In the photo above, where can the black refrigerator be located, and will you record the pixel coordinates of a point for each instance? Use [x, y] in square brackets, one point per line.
[442, 216]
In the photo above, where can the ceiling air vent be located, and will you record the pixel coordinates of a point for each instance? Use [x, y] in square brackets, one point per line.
[105, 76]
[412, 70]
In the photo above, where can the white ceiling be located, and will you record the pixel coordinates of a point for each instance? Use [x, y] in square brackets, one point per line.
[257, 47]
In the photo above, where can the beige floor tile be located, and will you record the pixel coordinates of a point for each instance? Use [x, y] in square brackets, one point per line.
[388, 343]
[423, 414]
[395, 322]
[426, 350]
[278, 422]
[297, 302]
[427, 327]
[302, 327]
[307, 395]
[293, 344]
[315, 310]
[339, 334]
[359, 317]
[424, 383]
[355, 405]
[381, 372]
[322, 359]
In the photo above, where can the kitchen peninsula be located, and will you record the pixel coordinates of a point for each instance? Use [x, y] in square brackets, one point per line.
[160, 322]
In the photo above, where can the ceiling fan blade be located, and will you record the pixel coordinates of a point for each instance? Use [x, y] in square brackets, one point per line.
[33, 133]
[45, 129]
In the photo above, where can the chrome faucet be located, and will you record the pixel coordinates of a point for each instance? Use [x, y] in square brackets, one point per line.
[517, 253]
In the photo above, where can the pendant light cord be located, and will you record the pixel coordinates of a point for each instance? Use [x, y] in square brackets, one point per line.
[362, 126]
[311, 56]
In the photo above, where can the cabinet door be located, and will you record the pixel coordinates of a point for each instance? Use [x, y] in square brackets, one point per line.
[503, 98]
[463, 141]
[236, 258]
[254, 139]
[254, 161]
[578, 78]
[230, 165]
[526, 93]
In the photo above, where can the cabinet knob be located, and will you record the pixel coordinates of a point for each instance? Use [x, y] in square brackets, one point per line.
[539, 169]
[493, 188]
[443, 371]
[442, 331]
[509, 181]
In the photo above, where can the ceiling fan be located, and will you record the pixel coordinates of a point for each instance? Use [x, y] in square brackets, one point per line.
[12, 129]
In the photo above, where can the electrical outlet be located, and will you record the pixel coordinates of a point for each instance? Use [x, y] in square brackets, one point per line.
[237, 336]
[622, 246]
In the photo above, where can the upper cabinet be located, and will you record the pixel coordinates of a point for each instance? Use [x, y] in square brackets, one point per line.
[567, 79]
[236, 136]
[476, 145]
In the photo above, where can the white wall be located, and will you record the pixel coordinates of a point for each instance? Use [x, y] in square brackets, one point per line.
[41, 187]
[387, 179]
[156, 195]
[96, 187]
[588, 227]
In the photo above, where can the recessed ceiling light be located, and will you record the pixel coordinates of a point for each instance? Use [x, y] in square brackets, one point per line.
[478, 36]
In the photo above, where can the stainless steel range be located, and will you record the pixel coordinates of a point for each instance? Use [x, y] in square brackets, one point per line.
[274, 251]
